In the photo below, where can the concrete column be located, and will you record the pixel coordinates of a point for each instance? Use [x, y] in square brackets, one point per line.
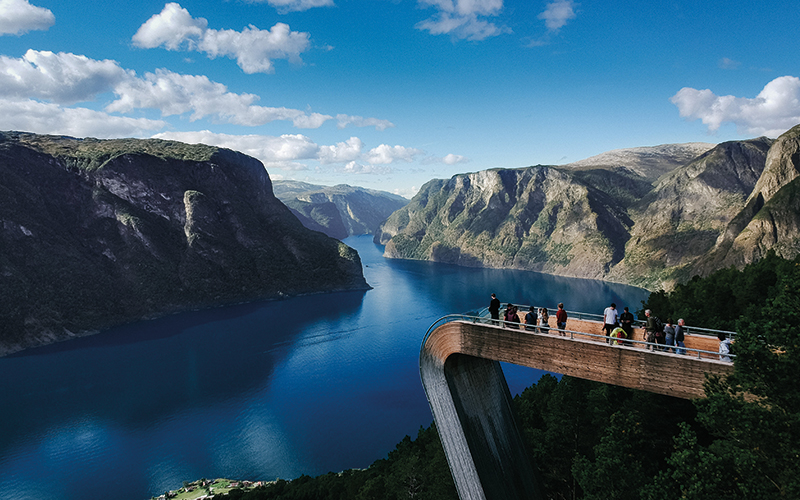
[471, 404]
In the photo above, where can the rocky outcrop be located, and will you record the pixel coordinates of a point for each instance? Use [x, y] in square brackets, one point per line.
[679, 221]
[770, 219]
[651, 217]
[338, 211]
[95, 233]
[540, 218]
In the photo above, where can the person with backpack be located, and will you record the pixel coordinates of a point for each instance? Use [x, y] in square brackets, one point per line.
[653, 329]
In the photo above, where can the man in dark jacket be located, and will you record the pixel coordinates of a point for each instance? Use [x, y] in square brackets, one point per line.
[494, 307]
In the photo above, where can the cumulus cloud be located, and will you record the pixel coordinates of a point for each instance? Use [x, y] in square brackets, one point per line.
[19, 16]
[65, 78]
[62, 78]
[49, 118]
[281, 152]
[385, 154]
[463, 18]
[254, 49]
[347, 151]
[284, 6]
[557, 13]
[452, 159]
[773, 111]
[289, 151]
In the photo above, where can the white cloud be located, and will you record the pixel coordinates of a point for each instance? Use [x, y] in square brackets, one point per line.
[557, 14]
[280, 152]
[48, 118]
[284, 6]
[287, 152]
[452, 159]
[19, 16]
[773, 111]
[342, 152]
[462, 18]
[62, 78]
[254, 49]
[360, 121]
[385, 154]
[65, 78]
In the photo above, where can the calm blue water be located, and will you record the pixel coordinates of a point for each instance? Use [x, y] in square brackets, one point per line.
[257, 391]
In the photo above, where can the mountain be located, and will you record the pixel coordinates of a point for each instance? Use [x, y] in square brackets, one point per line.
[770, 219]
[99, 232]
[338, 211]
[649, 162]
[652, 217]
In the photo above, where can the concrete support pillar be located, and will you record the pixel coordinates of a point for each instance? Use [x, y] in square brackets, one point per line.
[471, 404]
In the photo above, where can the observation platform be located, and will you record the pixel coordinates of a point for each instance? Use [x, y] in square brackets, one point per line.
[471, 403]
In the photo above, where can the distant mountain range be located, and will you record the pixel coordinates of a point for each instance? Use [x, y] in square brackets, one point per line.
[338, 211]
[99, 232]
[651, 216]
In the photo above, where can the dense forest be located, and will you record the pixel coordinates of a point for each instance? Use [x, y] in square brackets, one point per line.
[595, 441]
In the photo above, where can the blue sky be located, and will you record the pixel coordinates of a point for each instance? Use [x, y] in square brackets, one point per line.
[388, 94]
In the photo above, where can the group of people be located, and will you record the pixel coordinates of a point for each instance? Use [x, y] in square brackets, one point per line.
[667, 337]
[620, 326]
[537, 320]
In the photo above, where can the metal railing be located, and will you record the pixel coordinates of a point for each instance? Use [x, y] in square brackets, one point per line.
[611, 342]
[637, 323]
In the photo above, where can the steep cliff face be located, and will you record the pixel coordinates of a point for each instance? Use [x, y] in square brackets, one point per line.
[771, 216]
[652, 217]
[679, 221]
[96, 233]
[539, 218]
[338, 211]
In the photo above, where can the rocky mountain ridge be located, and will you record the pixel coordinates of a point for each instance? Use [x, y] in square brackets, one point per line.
[338, 211]
[95, 233]
[651, 217]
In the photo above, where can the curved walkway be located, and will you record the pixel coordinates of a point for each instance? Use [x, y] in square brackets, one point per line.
[471, 403]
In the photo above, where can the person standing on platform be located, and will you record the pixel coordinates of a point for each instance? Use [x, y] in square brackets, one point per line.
[669, 334]
[531, 319]
[610, 318]
[494, 308]
[561, 319]
[680, 336]
[651, 328]
[626, 322]
[544, 320]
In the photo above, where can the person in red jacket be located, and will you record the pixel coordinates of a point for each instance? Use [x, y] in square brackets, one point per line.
[561, 319]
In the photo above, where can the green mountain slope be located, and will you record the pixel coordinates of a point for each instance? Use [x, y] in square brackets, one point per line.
[95, 233]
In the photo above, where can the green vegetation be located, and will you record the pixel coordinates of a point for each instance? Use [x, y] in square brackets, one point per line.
[594, 441]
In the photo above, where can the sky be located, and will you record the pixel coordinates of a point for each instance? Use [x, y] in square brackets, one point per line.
[388, 94]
